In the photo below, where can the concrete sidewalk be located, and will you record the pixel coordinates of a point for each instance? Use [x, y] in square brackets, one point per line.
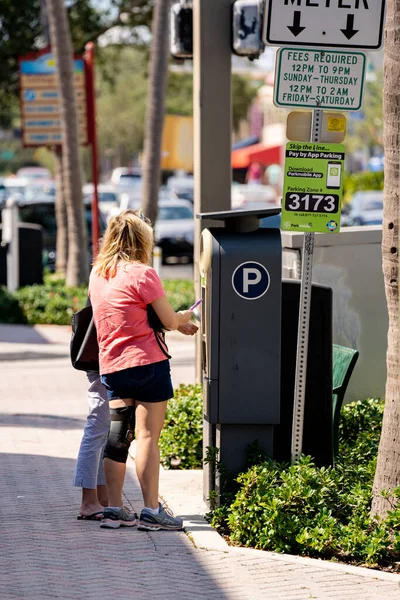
[47, 553]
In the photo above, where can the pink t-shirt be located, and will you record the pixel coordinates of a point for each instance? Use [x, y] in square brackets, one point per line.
[119, 308]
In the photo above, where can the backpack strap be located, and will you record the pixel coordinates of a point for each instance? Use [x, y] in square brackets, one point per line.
[160, 338]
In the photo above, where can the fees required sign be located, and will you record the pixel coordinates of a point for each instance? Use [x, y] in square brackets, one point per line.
[327, 23]
[319, 79]
[313, 187]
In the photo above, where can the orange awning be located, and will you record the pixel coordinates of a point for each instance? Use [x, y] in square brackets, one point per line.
[243, 157]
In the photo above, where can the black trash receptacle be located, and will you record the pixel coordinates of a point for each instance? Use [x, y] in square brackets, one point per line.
[30, 255]
[318, 429]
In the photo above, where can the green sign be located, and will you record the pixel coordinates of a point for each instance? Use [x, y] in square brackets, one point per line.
[313, 187]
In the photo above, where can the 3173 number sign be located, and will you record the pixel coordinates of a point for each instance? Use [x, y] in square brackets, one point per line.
[321, 203]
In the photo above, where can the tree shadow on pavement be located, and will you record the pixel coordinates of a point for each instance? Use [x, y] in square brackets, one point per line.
[27, 355]
[41, 421]
[21, 334]
[48, 553]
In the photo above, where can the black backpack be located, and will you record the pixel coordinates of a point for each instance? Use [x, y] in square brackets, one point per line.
[84, 349]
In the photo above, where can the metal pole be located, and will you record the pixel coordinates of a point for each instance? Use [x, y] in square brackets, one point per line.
[90, 90]
[157, 259]
[304, 322]
[10, 239]
[212, 58]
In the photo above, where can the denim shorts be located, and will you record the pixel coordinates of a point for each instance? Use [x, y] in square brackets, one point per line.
[147, 383]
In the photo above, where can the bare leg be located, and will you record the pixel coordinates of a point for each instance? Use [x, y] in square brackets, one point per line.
[149, 422]
[90, 504]
[102, 495]
[115, 471]
[115, 476]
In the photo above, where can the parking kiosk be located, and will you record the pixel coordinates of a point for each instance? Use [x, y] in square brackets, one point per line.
[240, 266]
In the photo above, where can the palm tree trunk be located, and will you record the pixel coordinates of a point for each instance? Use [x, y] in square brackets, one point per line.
[61, 217]
[78, 262]
[387, 474]
[155, 108]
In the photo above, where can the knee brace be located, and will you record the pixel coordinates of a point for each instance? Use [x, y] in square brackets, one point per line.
[121, 433]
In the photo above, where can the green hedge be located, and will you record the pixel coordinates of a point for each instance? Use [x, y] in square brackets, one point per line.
[54, 303]
[10, 309]
[181, 438]
[180, 293]
[364, 180]
[51, 303]
[319, 512]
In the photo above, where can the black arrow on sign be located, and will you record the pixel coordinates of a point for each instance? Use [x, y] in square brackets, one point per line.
[349, 32]
[295, 28]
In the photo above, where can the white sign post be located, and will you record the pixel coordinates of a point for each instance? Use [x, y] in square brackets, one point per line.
[10, 239]
[319, 78]
[325, 23]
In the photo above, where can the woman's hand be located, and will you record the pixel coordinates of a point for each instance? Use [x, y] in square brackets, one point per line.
[169, 318]
[184, 316]
[188, 329]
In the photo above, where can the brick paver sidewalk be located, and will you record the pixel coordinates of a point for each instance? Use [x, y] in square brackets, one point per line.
[47, 553]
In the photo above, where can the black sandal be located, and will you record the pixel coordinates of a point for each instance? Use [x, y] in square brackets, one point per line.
[96, 516]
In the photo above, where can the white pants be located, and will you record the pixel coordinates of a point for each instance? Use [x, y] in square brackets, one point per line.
[89, 472]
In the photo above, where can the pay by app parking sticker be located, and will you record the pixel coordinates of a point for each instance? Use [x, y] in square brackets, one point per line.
[313, 187]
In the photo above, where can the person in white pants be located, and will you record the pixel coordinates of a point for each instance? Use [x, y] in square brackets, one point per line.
[89, 472]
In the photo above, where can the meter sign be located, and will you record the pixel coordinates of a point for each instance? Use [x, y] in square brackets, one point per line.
[250, 280]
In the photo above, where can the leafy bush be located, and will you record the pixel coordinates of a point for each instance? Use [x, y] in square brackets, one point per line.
[182, 434]
[54, 303]
[10, 310]
[51, 303]
[359, 432]
[180, 293]
[320, 512]
[364, 180]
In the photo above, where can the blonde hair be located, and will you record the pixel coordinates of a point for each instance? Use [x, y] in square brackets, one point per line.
[128, 238]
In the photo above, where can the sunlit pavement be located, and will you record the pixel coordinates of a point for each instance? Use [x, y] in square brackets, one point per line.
[47, 553]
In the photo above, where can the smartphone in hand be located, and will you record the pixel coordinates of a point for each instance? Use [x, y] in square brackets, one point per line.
[196, 304]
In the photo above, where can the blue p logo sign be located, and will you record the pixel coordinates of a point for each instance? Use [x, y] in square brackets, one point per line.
[250, 280]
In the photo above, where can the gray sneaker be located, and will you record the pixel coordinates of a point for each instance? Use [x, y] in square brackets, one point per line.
[163, 520]
[121, 517]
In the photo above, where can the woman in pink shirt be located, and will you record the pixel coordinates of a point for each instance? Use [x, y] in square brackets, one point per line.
[134, 366]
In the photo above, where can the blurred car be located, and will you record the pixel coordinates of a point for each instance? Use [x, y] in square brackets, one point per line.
[109, 198]
[126, 178]
[376, 163]
[15, 185]
[253, 196]
[134, 201]
[42, 212]
[127, 183]
[365, 208]
[34, 173]
[182, 186]
[174, 229]
[44, 189]
[127, 200]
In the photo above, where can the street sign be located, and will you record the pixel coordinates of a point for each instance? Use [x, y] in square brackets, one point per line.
[313, 187]
[299, 126]
[327, 23]
[311, 78]
[40, 101]
[250, 280]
